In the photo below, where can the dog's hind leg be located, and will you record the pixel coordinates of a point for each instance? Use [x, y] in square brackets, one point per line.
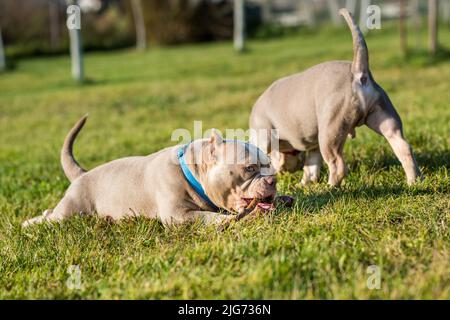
[64, 210]
[332, 152]
[278, 160]
[385, 121]
[38, 219]
[332, 136]
[311, 168]
[262, 138]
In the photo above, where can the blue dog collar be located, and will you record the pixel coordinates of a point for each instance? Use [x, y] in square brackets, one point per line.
[193, 182]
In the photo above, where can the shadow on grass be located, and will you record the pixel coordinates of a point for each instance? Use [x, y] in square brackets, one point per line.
[420, 58]
[430, 162]
[434, 160]
[316, 201]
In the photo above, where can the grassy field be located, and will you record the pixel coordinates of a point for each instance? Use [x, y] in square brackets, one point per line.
[320, 249]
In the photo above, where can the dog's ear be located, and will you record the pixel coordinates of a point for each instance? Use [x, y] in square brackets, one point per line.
[215, 140]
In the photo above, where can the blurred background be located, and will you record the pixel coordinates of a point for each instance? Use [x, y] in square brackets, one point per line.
[38, 27]
[143, 68]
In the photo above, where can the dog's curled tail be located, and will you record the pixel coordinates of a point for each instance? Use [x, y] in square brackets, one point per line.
[360, 53]
[70, 166]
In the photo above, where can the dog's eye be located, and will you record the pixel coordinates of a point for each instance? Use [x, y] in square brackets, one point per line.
[250, 169]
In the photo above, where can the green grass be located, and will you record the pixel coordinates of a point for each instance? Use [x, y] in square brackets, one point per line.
[320, 249]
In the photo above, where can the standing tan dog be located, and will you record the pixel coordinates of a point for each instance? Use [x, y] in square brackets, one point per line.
[174, 185]
[315, 111]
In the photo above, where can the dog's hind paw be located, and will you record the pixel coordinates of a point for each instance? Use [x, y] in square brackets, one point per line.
[36, 220]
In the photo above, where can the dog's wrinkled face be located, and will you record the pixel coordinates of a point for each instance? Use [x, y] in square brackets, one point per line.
[238, 173]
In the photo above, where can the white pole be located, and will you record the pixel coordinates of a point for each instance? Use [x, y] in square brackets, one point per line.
[333, 8]
[363, 15]
[139, 24]
[351, 6]
[239, 25]
[76, 50]
[308, 6]
[76, 54]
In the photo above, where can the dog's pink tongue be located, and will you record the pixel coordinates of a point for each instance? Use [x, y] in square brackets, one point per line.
[266, 206]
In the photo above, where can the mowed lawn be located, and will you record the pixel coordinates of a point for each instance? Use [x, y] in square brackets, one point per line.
[319, 249]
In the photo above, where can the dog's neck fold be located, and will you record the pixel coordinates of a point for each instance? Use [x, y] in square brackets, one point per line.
[197, 158]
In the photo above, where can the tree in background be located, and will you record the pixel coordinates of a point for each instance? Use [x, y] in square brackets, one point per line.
[54, 24]
[139, 24]
[2, 54]
[432, 25]
[416, 20]
[445, 8]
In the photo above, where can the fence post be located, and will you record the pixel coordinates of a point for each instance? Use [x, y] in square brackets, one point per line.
[363, 15]
[333, 8]
[239, 25]
[351, 6]
[139, 24]
[76, 50]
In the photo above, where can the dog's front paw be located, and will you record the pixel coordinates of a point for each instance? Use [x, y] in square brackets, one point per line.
[225, 223]
[415, 180]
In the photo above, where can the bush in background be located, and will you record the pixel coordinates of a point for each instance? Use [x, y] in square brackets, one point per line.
[27, 27]
[34, 27]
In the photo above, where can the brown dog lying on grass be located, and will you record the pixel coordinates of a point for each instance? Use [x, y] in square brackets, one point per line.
[175, 185]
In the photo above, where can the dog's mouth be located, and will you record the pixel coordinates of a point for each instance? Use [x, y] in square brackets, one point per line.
[265, 204]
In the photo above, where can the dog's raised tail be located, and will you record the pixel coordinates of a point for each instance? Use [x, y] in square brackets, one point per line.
[70, 166]
[360, 53]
